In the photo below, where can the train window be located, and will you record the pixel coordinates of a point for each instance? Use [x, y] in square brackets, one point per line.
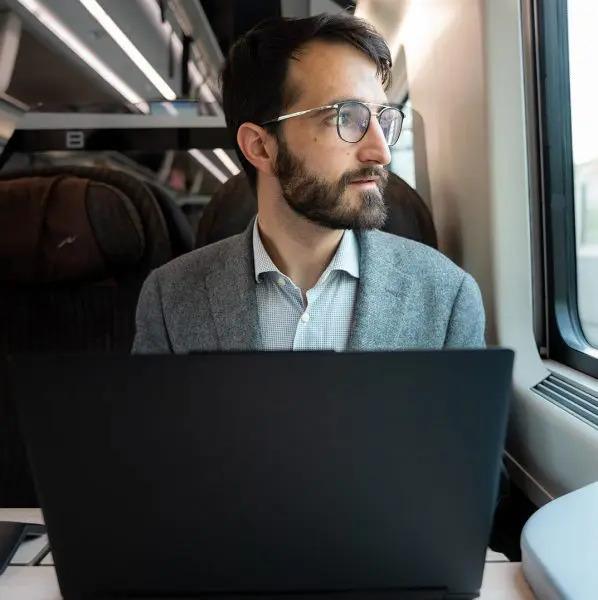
[583, 48]
[402, 156]
[568, 94]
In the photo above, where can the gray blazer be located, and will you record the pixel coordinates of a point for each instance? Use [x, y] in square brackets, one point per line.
[409, 296]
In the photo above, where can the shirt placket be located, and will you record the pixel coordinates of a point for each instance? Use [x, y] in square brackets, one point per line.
[308, 318]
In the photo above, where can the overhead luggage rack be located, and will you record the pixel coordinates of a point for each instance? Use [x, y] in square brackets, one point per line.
[40, 132]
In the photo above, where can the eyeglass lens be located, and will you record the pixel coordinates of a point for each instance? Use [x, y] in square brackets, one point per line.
[354, 117]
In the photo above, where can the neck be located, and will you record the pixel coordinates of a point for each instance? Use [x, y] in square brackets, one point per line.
[299, 248]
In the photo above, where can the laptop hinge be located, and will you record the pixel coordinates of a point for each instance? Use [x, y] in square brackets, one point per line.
[394, 594]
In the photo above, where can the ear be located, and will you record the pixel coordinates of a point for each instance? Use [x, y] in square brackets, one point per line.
[258, 146]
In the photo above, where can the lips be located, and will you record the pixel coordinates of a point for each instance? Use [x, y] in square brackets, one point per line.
[364, 181]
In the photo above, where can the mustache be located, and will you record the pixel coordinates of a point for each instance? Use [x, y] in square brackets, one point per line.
[365, 173]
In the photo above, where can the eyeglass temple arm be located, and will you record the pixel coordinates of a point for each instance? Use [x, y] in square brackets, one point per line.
[298, 114]
[328, 106]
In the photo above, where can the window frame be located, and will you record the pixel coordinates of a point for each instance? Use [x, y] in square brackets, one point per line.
[566, 342]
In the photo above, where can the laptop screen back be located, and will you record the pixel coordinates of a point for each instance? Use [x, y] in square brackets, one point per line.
[267, 472]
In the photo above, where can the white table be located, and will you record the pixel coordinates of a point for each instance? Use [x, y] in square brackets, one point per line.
[503, 580]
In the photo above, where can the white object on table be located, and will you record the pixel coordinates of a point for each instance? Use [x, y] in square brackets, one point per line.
[559, 547]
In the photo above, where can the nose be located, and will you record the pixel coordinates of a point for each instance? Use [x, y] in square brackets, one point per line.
[373, 147]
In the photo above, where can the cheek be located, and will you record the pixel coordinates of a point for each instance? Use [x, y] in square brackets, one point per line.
[331, 166]
[324, 156]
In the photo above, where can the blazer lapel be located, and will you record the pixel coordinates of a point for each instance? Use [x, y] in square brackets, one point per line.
[231, 292]
[381, 316]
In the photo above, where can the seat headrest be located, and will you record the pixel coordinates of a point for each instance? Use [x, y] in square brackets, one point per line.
[64, 228]
[157, 244]
[181, 234]
[228, 212]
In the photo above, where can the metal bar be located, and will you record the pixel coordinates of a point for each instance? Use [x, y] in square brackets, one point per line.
[72, 121]
[158, 140]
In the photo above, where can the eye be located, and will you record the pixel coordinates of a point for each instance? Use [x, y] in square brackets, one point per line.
[330, 119]
[346, 119]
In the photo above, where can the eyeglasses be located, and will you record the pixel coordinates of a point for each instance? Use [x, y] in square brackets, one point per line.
[353, 120]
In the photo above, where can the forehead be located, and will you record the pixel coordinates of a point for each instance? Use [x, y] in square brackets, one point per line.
[324, 71]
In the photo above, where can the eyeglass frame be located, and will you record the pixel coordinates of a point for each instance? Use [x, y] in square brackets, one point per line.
[337, 106]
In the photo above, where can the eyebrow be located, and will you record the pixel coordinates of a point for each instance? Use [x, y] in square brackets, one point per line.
[338, 100]
[319, 113]
[358, 99]
[316, 114]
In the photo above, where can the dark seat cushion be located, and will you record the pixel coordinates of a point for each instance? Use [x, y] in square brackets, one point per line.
[157, 248]
[182, 237]
[62, 228]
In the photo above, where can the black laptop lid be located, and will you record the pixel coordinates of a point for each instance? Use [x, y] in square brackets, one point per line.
[267, 472]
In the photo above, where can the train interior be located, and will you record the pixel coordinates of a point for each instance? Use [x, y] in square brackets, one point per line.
[112, 130]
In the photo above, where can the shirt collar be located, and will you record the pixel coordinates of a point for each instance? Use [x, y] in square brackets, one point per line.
[346, 257]
[261, 259]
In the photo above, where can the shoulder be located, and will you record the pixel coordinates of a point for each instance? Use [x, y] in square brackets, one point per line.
[433, 278]
[199, 263]
[412, 258]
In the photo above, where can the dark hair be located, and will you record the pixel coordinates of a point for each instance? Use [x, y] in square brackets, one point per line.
[254, 73]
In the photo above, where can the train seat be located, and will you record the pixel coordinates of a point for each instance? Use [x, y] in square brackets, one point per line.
[70, 275]
[182, 236]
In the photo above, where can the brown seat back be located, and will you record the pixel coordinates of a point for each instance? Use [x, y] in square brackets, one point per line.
[75, 247]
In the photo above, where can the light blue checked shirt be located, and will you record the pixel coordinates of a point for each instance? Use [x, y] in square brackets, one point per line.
[321, 323]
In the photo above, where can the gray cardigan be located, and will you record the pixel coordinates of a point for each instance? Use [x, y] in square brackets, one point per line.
[409, 296]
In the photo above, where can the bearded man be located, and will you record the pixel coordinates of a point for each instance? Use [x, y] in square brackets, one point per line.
[305, 102]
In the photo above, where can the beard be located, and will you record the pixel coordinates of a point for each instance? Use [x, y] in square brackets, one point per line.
[329, 204]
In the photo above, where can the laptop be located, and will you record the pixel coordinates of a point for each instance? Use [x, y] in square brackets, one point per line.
[278, 474]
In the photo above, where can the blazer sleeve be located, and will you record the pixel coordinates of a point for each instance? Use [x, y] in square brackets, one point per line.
[151, 336]
[467, 322]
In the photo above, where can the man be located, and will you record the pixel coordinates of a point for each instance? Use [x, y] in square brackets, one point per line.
[305, 101]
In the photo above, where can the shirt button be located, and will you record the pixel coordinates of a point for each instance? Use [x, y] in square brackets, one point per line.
[281, 282]
[305, 317]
